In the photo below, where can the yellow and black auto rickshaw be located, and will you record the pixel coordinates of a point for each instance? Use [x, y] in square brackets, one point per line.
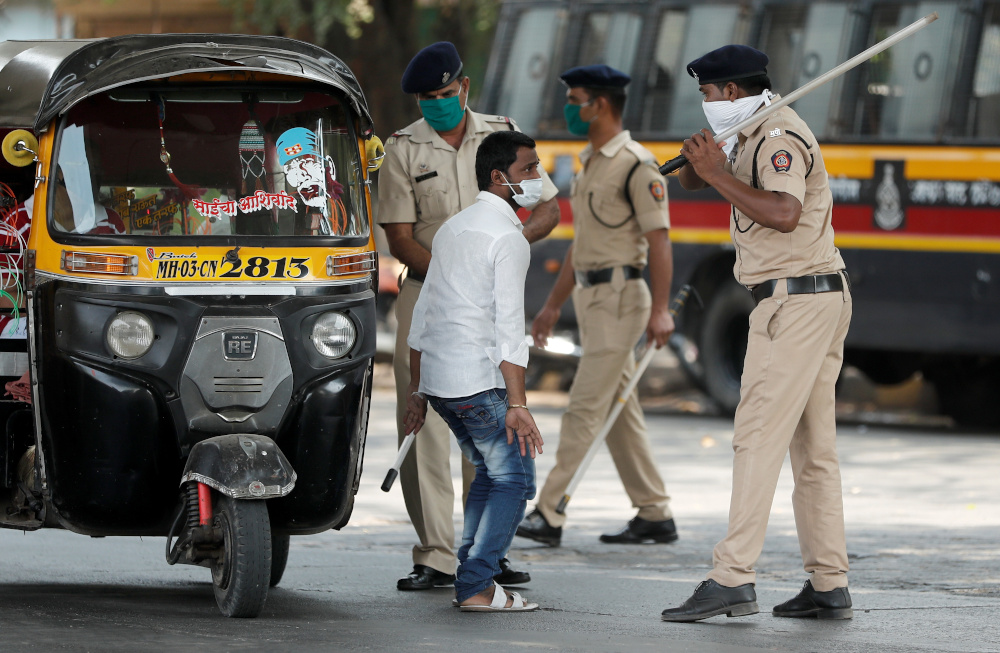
[187, 276]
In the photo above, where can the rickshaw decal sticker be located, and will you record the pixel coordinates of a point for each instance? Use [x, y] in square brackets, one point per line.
[150, 218]
[314, 176]
[250, 204]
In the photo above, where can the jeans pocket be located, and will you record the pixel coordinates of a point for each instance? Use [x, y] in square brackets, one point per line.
[478, 413]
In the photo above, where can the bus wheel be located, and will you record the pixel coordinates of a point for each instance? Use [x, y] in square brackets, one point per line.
[723, 343]
[242, 572]
[967, 392]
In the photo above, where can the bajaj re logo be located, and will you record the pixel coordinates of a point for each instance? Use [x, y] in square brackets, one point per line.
[239, 345]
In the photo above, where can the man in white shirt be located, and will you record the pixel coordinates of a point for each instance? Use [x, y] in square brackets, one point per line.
[468, 355]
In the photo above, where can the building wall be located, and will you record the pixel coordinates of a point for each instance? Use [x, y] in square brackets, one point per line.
[102, 18]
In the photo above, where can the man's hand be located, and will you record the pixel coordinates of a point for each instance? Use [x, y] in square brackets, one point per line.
[661, 325]
[705, 155]
[416, 410]
[542, 325]
[521, 424]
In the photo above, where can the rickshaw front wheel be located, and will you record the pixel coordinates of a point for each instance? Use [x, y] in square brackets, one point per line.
[279, 557]
[242, 572]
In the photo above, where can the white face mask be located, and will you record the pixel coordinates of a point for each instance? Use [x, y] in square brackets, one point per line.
[531, 191]
[724, 114]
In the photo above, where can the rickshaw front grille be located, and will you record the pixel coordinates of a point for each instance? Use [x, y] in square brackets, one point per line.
[239, 384]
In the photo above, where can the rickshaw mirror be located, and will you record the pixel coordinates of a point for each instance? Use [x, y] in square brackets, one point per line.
[374, 152]
[20, 148]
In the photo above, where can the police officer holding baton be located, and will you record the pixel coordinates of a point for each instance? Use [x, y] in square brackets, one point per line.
[428, 176]
[774, 176]
[620, 221]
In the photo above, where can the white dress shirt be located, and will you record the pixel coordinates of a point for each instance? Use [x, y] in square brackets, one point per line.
[470, 314]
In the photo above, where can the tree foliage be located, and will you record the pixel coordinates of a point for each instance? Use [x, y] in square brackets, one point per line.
[377, 38]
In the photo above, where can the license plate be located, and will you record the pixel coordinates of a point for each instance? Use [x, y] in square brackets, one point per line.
[239, 345]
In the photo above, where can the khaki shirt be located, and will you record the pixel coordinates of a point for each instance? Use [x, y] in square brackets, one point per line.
[425, 181]
[788, 159]
[608, 229]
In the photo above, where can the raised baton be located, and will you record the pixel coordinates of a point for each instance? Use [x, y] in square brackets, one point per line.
[678, 162]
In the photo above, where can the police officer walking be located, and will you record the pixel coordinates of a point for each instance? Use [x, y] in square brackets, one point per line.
[428, 176]
[777, 182]
[620, 220]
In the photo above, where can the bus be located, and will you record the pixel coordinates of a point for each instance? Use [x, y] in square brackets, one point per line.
[911, 140]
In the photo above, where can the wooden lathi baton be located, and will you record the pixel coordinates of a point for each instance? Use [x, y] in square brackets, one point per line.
[675, 306]
[678, 162]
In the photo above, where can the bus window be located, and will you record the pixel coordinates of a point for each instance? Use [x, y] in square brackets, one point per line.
[906, 89]
[802, 42]
[708, 27]
[610, 38]
[528, 76]
[666, 65]
[986, 84]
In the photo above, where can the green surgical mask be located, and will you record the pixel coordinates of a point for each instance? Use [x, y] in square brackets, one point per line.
[577, 125]
[443, 114]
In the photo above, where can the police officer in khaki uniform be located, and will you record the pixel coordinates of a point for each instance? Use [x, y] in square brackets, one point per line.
[428, 176]
[620, 221]
[777, 183]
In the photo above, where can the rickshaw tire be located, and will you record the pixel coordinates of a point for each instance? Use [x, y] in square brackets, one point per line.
[242, 579]
[279, 557]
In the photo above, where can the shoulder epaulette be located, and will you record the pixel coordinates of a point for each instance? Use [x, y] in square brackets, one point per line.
[511, 125]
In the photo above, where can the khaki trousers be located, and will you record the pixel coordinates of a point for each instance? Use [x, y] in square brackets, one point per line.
[612, 317]
[794, 354]
[425, 475]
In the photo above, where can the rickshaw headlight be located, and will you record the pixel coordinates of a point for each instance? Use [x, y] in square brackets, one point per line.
[130, 334]
[333, 334]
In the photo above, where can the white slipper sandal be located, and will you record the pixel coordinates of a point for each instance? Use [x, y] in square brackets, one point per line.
[499, 603]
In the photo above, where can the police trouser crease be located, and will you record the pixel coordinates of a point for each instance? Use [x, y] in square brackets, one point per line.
[425, 475]
[794, 355]
[611, 321]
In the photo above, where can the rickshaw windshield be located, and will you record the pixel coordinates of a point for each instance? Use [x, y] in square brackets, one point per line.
[208, 162]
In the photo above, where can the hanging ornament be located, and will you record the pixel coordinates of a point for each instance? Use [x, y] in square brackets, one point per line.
[252, 156]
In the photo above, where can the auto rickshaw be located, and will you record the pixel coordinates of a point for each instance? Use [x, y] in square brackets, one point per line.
[195, 299]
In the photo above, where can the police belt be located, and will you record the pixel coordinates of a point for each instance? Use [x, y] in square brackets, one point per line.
[588, 278]
[802, 285]
[410, 274]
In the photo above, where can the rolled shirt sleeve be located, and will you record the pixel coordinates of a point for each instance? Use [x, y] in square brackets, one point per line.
[648, 191]
[782, 164]
[511, 255]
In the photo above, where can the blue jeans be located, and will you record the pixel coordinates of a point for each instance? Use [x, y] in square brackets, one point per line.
[504, 482]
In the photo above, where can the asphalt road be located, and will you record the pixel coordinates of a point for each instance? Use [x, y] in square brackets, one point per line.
[923, 532]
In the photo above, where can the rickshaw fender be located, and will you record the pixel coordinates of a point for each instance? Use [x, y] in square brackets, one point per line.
[241, 466]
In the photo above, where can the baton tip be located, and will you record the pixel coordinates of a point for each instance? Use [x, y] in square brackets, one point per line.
[561, 508]
[390, 478]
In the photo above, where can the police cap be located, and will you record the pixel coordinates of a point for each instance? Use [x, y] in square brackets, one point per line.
[432, 68]
[596, 76]
[727, 63]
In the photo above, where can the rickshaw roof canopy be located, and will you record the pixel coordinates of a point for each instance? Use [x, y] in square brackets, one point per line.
[40, 80]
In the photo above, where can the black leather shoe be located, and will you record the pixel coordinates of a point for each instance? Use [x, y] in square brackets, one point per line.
[834, 604]
[710, 599]
[535, 527]
[508, 576]
[425, 578]
[640, 531]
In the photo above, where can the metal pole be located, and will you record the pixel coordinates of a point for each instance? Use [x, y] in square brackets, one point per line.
[678, 162]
